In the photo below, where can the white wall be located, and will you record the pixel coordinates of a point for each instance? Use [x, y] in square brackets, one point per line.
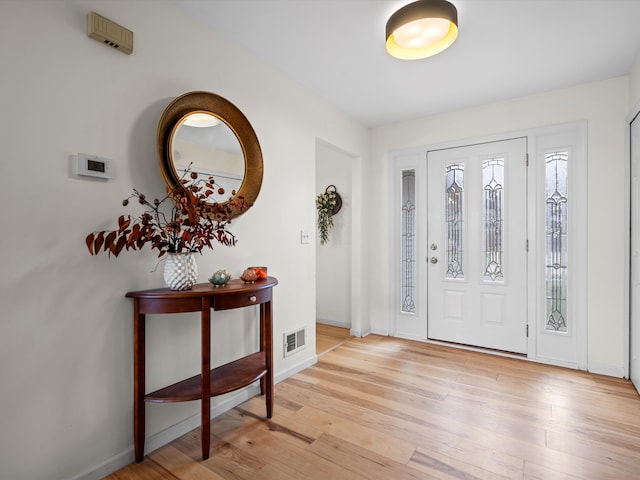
[66, 329]
[634, 84]
[604, 105]
[333, 259]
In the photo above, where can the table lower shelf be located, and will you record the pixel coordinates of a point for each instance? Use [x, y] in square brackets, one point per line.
[224, 379]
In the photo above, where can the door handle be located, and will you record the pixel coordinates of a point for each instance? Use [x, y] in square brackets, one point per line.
[434, 260]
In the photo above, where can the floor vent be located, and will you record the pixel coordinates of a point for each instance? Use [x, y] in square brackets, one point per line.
[294, 340]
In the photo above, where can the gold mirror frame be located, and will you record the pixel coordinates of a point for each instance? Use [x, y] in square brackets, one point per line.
[206, 102]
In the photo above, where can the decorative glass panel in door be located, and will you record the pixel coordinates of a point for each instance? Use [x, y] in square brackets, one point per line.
[477, 231]
[493, 218]
[454, 191]
[556, 240]
[408, 289]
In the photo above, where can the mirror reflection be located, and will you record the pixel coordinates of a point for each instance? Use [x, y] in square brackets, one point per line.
[207, 146]
[211, 136]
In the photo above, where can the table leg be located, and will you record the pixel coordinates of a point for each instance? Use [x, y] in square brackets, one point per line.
[263, 379]
[206, 376]
[138, 381]
[266, 325]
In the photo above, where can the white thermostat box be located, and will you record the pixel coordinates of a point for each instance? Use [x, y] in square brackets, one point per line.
[94, 166]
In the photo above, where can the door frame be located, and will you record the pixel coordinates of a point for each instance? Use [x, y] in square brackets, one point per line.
[634, 114]
[416, 156]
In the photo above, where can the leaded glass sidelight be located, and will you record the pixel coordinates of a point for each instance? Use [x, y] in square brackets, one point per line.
[556, 240]
[493, 218]
[408, 287]
[454, 219]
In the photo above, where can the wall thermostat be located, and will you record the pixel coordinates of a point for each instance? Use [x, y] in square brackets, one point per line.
[94, 166]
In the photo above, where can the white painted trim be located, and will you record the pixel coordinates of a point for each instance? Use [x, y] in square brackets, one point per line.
[407, 325]
[607, 370]
[378, 331]
[166, 436]
[176, 430]
[333, 323]
[627, 242]
[393, 201]
[359, 303]
[626, 330]
[413, 337]
[360, 333]
[295, 369]
[580, 291]
[107, 467]
[556, 363]
[533, 186]
[360, 318]
[573, 136]
[635, 111]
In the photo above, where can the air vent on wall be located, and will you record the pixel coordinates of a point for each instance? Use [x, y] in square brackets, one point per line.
[294, 340]
[110, 33]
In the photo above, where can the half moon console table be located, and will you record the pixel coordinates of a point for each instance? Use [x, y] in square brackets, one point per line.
[203, 298]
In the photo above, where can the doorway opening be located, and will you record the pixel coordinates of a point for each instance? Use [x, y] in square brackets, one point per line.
[333, 258]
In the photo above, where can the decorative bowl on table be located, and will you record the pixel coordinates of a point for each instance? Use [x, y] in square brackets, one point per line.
[261, 272]
[249, 276]
[220, 278]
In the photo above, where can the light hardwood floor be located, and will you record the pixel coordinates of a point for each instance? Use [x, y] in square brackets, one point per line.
[391, 409]
[329, 338]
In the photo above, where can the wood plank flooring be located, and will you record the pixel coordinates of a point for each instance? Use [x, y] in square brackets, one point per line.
[391, 409]
[329, 337]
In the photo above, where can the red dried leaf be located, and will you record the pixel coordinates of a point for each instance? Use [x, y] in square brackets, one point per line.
[122, 241]
[123, 222]
[89, 242]
[99, 241]
[109, 241]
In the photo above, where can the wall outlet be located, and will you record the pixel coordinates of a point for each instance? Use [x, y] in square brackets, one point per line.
[304, 236]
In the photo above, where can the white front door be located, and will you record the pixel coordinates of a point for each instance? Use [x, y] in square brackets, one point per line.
[477, 245]
[635, 255]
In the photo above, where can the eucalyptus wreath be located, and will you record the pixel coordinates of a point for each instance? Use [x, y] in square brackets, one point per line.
[325, 203]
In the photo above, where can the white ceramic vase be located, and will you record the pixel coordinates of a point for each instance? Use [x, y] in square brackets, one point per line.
[180, 271]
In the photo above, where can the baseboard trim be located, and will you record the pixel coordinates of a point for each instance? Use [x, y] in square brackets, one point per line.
[379, 331]
[295, 369]
[166, 436]
[333, 323]
[107, 467]
[169, 434]
[607, 370]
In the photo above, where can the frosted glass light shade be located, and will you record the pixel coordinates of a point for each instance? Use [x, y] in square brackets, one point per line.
[422, 29]
[201, 120]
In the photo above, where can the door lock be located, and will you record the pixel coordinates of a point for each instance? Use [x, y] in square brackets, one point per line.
[434, 246]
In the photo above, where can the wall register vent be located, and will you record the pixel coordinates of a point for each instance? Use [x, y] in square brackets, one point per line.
[294, 340]
[110, 33]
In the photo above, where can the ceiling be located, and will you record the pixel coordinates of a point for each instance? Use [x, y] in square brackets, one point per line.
[505, 49]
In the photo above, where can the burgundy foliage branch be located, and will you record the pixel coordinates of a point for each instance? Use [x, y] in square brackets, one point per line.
[191, 223]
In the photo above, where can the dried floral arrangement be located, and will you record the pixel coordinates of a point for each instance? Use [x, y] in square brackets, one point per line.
[190, 224]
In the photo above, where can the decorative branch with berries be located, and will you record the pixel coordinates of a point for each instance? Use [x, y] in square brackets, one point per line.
[190, 224]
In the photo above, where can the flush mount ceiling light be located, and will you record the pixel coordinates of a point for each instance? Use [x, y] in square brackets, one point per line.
[422, 29]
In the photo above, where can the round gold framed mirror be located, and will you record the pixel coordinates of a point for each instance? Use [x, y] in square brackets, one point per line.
[205, 134]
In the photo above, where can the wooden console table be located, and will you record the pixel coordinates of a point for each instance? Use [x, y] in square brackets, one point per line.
[242, 372]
